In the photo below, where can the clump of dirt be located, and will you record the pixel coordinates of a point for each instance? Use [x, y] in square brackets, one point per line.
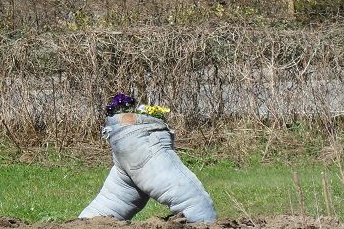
[300, 222]
[9, 222]
[279, 221]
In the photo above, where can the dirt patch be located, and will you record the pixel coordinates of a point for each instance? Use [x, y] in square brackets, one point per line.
[280, 221]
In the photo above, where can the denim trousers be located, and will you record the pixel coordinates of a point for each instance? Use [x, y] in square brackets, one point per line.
[146, 166]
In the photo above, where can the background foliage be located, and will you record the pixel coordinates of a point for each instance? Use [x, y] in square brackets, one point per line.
[224, 67]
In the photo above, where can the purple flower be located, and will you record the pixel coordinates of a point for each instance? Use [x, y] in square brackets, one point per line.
[123, 100]
[120, 103]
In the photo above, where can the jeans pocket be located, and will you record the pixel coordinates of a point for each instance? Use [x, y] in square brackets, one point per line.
[157, 142]
[134, 151]
[145, 151]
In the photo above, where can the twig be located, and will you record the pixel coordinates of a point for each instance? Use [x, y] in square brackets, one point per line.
[271, 137]
[55, 115]
[206, 141]
[13, 15]
[11, 137]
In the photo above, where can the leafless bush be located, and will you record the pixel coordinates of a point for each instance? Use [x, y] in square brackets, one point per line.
[53, 15]
[54, 86]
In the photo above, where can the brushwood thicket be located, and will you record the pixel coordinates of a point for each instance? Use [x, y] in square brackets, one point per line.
[211, 62]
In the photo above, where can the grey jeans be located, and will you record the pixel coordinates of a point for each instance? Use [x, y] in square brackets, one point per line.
[146, 165]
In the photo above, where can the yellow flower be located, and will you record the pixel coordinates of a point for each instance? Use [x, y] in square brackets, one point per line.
[156, 111]
[162, 110]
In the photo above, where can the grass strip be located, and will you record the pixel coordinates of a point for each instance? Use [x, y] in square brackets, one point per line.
[37, 194]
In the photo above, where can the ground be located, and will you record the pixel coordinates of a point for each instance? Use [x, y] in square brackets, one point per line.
[279, 221]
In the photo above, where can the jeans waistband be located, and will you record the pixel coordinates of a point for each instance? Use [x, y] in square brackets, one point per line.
[121, 125]
[126, 119]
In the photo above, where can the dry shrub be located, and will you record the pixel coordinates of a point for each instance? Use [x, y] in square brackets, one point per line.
[53, 15]
[54, 86]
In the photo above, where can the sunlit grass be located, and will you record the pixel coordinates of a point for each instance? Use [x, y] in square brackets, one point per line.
[35, 193]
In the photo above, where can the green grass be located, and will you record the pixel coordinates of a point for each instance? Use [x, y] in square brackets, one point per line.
[269, 190]
[36, 193]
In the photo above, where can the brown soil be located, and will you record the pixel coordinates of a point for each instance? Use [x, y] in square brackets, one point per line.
[280, 221]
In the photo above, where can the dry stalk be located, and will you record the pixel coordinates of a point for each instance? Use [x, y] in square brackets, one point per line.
[271, 137]
[297, 183]
[11, 136]
[240, 207]
[338, 152]
[341, 170]
[291, 9]
[326, 193]
[316, 203]
[290, 202]
[55, 113]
